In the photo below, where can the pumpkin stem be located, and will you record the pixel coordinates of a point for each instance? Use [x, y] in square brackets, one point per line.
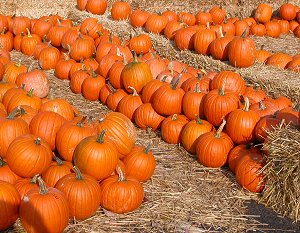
[170, 68]
[221, 31]
[247, 104]
[222, 89]
[38, 141]
[135, 58]
[220, 129]
[34, 179]
[44, 39]
[80, 123]
[174, 117]
[14, 113]
[30, 66]
[58, 160]
[22, 111]
[244, 35]
[207, 25]
[197, 88]
[78, 174]
[147, 149]
[198, 120]
[121, 175]
[2, 162]
[30, 92]
[262, 105]
[164, 78]
[175, 84]
[43, 189]
[28, 33]
[100, 137]
[134, 91]
[113, 90]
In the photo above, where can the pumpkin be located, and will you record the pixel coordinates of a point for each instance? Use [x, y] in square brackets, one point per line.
[212, 148]
[200, 80]
[139, 17]
[217, 104]
[233, 82]
[120, 130]
[96, 156]
[262, 55]
[3, 22]
[82, 48]
[264, 126]
[9, 204]
[241, 124]
[63, 67]
[39, 47]
[29, 42]
[258, 30]
[23, 185]
[49, 57]
[285, 26]
[290, 115]
[114, 97]
[120, 10]
[37, 213]
[184, 38]
[187, 18]
[282, 102]
[171, 128]
[156, 66]
[56, 170]
[242, 51]
[104, 93]
[26, 113]
[203, 18]
[97, 7]
[114, 74]
[140, 44]
[219, 47]
[150, 88]
[91, 86]
[82, 192]
[171, 29]
[69, 38]
[248, 172]
[6, 40]
[32, 152]
[76, 80]
[191, 133]
[135, 74]
[263, 13]
[237, 153]
[45, 125]
[202, 40]
[81, 4]
[10, 128]
[192, 104]
[294, 65]
[218, 14]
[41, 27]
[56, 33]
[140, 163]
[255, 94]
[120, 194]
[106, 62]
[147, 118]
[228, 28]
[264, 108]
[273, 29]
[69, 136]
[6, 174]
[156, 23]
[287, 11]
[19, 24]
[92, 27]
[279, 60]
[167, 100]
[12, 70]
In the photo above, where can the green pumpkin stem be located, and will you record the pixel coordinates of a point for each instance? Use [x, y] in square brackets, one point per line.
[58, 160]
[220, 129]
[198, 120]
[34, 179]
[222, 89]
[175, 84]
[80, 123]
[121, 175]
[174, 117]
[148, 148]
[14, 113]
[247, 105]
[43, 189]
[244, 35]
[2, 162]
[135, 58]
[38, 141]
[197, 88]
[19, 63]
[134, 91]
[30, 92]
[100, 136]
[78, 174]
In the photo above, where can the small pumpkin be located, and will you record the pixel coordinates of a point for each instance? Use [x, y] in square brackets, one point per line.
[120, 10]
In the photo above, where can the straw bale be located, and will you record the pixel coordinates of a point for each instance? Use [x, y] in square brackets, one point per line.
[282, 190]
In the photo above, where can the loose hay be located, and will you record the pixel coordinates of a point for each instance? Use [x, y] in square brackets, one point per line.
[282, 191]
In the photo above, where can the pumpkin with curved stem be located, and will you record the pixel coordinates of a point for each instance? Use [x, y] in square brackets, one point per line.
[23, 185]
[6, 174]
[29, 42]
[219, 47]
[191, 133]
[263, 13]
[237, 153]
[264, 126]
[212, 148]
[171, 128]
[136, 74]
[82, 192]
[45, 125]
[242, 51]
[56, 170]
[10, 128]
[192, 104]
[217, 104]
[120, 194]
[9, 204]
[96, 156]
[97, 7]
[147, 118]
[140, 163]
[91, 86]
[120, 130]
[37, 213]
[248, 172]
[12, 70]
[32, 152]
[69, 136]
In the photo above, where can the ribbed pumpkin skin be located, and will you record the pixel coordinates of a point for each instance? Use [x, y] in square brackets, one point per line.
[23, 185]
[38, 215]
[60, 106]
[192, 131]
[247, 172]
[192, 104]
[219, 47]
[34, 155]
[9, 205]
[6, 174]
[213, 151]
[120, 130]
[279, 60]
[140, 163]
[97, 159]
[171, 128]
[69, 136]
[242, 52]
[121, 196]
[217, 106]
[137, 75]
[150, 89]
[263, 13]
[83, 195]
[202, 40]
[265, 124]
